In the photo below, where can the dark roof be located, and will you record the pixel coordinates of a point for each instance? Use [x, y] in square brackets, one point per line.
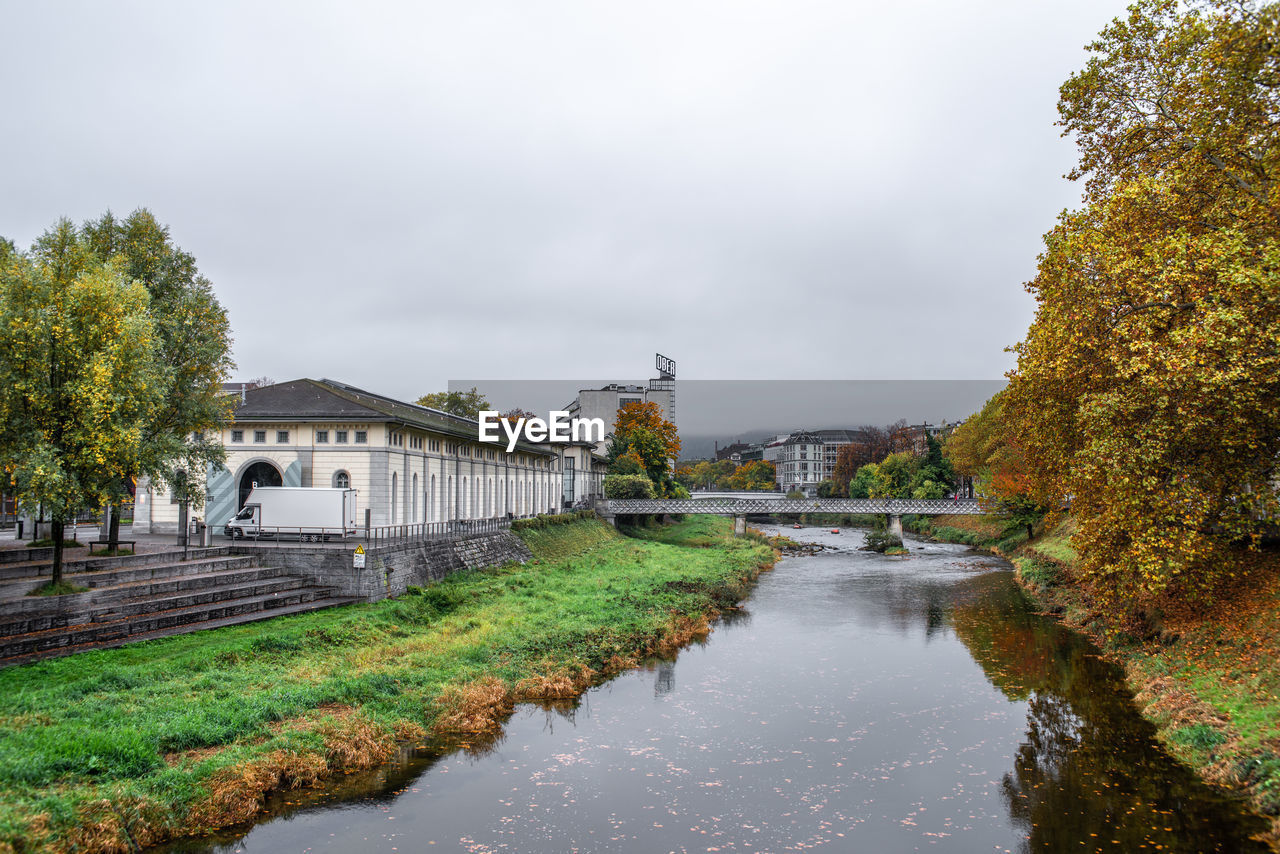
[303, 399]
[842, 435]
[803, 437]
[309, 400]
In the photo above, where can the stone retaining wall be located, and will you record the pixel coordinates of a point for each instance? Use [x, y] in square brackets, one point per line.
[391, 569]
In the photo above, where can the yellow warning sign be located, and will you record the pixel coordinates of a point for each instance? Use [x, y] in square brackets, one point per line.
[359, 549]
[358, 558]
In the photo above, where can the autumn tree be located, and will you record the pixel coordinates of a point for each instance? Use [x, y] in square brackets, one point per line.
[80, 381]
[707, 474]
[1147, 391]
[467, 404]
[641, 432]
[181, 439]
[987, 450]
[755, 475]
[848, 460]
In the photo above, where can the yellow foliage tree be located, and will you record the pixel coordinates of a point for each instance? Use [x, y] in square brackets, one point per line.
[78, 377]
[1147, 392]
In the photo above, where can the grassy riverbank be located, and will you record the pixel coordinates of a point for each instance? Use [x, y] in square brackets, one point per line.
[1209, 679]
[109, 750]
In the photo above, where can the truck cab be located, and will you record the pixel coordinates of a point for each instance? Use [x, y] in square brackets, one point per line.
[246, 523]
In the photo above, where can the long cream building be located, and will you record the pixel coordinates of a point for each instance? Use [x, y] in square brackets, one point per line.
[409, 464]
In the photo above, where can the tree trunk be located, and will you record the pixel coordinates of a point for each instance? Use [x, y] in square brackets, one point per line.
[58, 529]
[1030, 533]
[113, 530]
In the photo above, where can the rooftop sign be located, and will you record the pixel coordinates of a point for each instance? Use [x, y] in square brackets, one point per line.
[666, 367]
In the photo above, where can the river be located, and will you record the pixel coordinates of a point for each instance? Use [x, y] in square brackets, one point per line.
[857, 703]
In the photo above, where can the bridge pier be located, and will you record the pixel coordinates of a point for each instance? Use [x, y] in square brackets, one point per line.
[894, 524]
[739, 526]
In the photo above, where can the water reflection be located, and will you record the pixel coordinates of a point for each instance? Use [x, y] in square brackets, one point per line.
[1088, 770]
[865, 703]
[665, 678]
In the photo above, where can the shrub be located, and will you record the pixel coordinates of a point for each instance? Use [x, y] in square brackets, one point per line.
[546, 521]
[623, 486]
[881, 541]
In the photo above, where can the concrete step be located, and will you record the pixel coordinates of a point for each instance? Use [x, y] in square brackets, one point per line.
[61, 640]
[275, 584]
[7, 660]
[42, 567]
[14, 598]
[145, 597]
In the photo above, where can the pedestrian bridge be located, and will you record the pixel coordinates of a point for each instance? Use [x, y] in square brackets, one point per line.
[738, 506]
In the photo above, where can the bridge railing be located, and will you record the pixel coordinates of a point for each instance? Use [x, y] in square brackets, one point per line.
[747, 506]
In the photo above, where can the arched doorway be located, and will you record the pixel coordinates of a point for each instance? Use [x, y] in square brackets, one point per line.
[261, 473]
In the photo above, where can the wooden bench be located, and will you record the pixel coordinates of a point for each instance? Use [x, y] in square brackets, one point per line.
[132, 544]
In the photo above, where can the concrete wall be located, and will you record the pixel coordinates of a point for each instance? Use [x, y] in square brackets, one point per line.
[390, 570]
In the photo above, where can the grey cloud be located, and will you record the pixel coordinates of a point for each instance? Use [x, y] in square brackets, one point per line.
[400, 193]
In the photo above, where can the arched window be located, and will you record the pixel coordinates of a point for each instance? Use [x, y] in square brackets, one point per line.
[395, 482]
[414, 517]
[341, 480]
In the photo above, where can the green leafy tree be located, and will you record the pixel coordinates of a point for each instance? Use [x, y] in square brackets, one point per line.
[80, 380]
[467, 404]
[871, 482]
[627, 464]
[180, 440]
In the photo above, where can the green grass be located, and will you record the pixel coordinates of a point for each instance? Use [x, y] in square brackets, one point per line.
[48, 543]
[1199, 736]
[62, 588]
[113, 724]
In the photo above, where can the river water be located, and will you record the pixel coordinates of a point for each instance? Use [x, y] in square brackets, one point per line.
[857, 703]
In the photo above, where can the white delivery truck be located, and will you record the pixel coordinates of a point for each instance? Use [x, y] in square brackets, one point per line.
[307, 513]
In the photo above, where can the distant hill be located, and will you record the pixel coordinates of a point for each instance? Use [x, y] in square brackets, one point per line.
[704, 447]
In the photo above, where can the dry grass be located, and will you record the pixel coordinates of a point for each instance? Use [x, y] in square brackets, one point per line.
[236, 793]
[556, 684]
[684, 630]
[475, 707]
[117, 826]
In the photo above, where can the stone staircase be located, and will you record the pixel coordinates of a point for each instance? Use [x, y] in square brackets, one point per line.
[140, 597]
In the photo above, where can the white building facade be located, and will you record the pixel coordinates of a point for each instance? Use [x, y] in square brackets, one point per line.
[409, 464]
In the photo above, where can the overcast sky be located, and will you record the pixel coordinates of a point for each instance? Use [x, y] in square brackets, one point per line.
[397, 195]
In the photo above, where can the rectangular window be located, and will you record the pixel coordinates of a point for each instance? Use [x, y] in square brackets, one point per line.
[237, 436]
[340, 436]
[259, 437]
[362, 437]
[322, 437]
[282, 437]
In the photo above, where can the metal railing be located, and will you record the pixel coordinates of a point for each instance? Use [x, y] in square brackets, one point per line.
[423, 531]
[295, 537]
